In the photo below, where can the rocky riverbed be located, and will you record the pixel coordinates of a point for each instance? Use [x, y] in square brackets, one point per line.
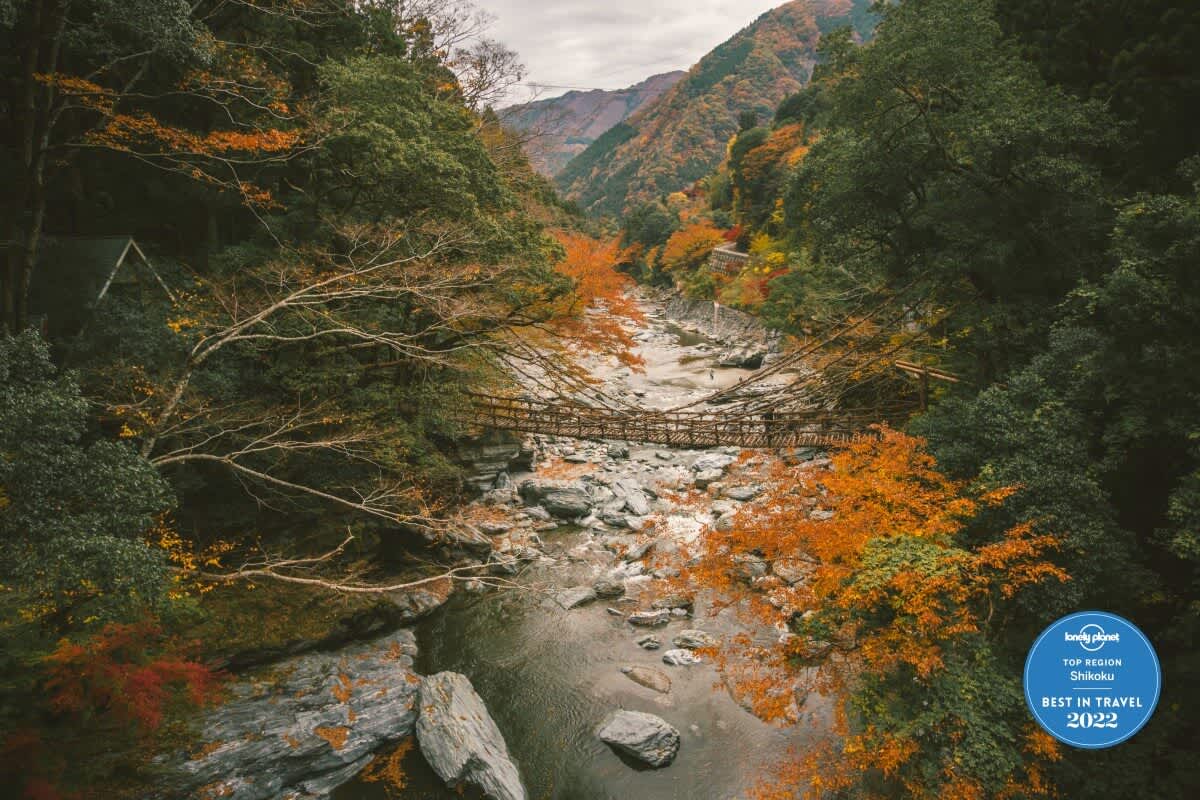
[578, 680]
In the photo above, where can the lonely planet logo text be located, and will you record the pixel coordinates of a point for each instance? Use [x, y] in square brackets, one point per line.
[1092, 637]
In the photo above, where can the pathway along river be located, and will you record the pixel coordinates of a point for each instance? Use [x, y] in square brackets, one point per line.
[549, 675]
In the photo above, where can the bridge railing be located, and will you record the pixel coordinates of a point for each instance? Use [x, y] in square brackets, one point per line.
[680, 429]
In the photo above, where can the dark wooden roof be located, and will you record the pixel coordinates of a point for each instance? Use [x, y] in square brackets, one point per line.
[74, 274]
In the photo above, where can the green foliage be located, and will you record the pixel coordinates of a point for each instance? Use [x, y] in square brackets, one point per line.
[400, 148]
[971, 180]
[649, 225]
[73, 530]
[1140, 57]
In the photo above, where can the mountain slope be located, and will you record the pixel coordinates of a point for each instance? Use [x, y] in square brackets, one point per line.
[565, 126]
[681, 137]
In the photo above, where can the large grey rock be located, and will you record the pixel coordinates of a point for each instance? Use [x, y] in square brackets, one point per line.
[649, 677]
[672, 601]
[609, 586]
[303, 728]
[792, 570]
[649, 619]
[742, 493]
[694, 640]
[637, 503]
[576, 597]
[645, 737]
[708, 477]
[680, 658]
[562, 499]
[639, 550]
[718, 462]
[460, 740]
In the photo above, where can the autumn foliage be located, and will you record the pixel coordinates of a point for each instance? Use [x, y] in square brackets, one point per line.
[884, 604]
[688, 248]
[594, 314]
[128, 673]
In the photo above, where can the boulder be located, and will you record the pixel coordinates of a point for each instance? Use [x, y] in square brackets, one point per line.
[749, 566]
[637, 503]
[649, 677]
[460, 740]
[792, 570]
[718, 462]
[694, 640]
[303, 729]
[707, 478]
[645, 737]
[742, 493]
[413, 604]
[561, 499]
[649, 642]
[576, 597]
[618, 452]
[673, 601]
[609, 586]
[614, 519]
[639, 550]
[680, 658]
[649, 619]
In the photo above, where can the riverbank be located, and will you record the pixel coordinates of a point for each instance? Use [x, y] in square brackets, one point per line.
[589, 538]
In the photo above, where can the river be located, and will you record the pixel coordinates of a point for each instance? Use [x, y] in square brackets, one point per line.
[549, 676]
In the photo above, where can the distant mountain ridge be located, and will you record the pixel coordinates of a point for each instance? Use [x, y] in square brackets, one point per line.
[681, 137]
[566, 125]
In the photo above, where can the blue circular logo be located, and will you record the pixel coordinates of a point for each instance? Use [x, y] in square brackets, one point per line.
[1092, 680]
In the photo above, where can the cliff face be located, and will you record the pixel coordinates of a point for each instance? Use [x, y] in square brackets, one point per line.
[563, 127]
[681, 137]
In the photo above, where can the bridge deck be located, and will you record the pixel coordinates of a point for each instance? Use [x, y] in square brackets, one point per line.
[677, 429]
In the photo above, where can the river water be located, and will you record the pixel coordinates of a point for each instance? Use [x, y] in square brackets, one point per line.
[549, 676]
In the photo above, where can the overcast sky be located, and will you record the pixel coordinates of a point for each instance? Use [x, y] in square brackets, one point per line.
[611, 44]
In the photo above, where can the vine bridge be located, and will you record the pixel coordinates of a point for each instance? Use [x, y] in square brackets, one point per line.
[689, 429]
[844, 384]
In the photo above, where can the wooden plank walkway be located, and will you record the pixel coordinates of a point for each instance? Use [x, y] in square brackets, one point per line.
[674, 429]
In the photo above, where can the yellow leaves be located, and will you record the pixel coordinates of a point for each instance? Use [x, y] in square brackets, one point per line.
[127, 432]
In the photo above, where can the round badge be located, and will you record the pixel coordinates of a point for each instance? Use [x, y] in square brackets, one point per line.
[1092, 680]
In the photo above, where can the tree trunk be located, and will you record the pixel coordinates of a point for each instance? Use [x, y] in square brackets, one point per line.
[47, 22]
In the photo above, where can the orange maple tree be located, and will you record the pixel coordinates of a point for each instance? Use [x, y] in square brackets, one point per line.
[594, 315]
[688, 247]
[863, 565]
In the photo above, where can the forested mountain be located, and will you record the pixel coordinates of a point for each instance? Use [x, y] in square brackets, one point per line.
[561, 128]
[681, 137]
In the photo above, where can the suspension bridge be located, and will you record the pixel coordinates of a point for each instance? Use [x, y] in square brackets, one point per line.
[824, 407]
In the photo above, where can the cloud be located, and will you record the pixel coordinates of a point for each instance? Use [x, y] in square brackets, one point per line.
[611, 44]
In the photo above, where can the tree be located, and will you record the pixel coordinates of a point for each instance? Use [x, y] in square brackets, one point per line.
[77, 517]
[99, 75]
[593, 316]
[688, 248]
[871, 576]
[950, 163]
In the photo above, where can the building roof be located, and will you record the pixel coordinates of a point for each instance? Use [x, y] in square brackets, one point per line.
[74, 274]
